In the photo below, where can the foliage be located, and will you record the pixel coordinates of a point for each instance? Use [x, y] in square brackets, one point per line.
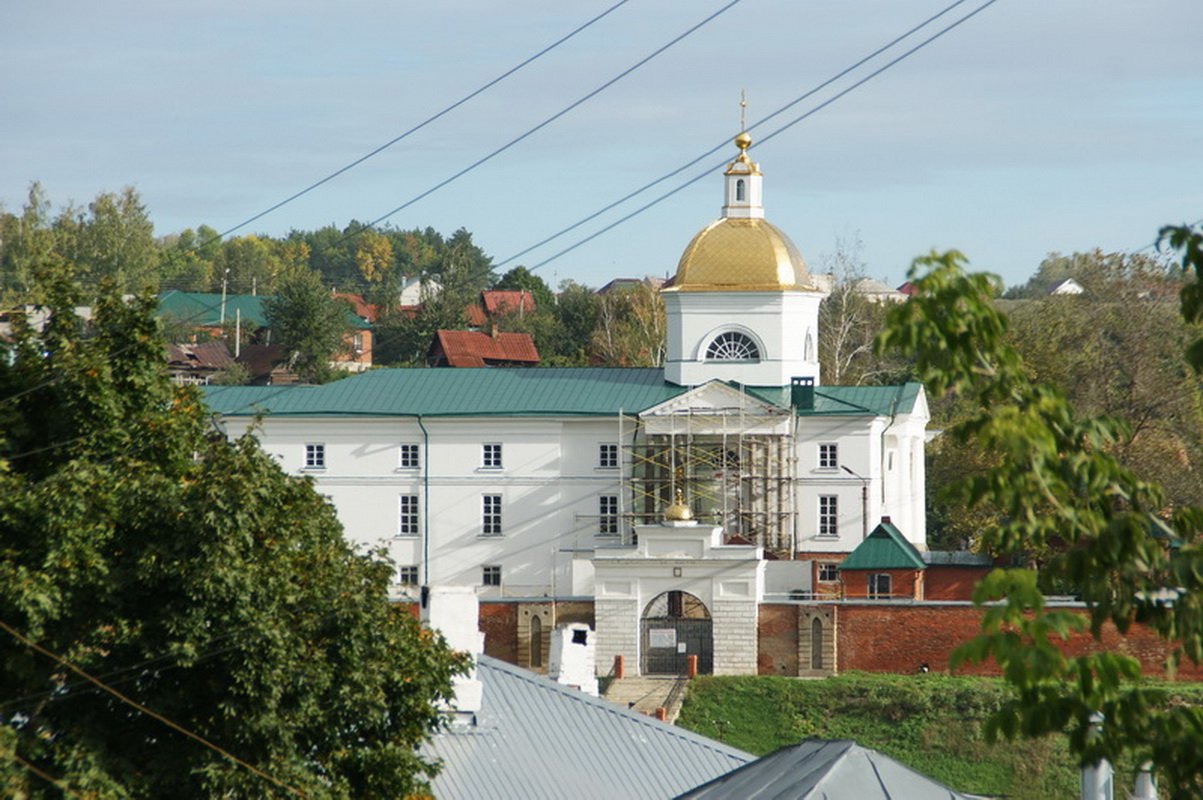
[520, 279]
[1058, 486]
[1101, 275]
[631, 328]
[309, 322]
[197, 578]
[930, 722]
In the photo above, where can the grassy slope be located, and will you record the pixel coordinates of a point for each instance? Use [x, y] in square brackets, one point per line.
[931, 723]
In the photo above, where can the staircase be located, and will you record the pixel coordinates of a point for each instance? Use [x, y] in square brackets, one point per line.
[645, 694]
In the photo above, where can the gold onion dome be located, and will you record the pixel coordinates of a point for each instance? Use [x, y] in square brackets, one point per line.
[734, 254]
[678, 511]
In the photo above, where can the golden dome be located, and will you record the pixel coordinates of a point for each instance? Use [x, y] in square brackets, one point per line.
[678, 511]
[735, 254]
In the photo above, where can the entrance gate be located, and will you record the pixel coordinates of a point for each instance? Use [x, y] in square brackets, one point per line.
[676, 625]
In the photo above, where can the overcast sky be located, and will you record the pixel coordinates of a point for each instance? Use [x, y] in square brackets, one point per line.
[1036, 126]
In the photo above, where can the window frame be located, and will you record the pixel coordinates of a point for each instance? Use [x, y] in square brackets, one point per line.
[719, 348]
[408, 520]
[409, 571]
[490, 518]
[315, 455]
[607, 509]
[829, 516]
[490, 455]
[829, 455]
[607, 455]
[824, 567]
[490, 575]
[404, 451]
[873, 590]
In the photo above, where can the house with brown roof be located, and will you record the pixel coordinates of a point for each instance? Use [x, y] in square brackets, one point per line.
[476, 349]
[495, 303]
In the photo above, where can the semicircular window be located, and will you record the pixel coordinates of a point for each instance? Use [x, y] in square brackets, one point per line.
[732, 346]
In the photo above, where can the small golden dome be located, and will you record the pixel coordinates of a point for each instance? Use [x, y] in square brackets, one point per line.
[743, 141]
[678, 511]
[750, 255]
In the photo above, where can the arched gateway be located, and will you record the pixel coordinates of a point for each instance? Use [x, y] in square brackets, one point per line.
[676, 625]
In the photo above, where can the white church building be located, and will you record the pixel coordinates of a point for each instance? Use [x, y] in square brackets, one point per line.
[552, 484]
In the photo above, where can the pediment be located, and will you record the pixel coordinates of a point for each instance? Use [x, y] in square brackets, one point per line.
[727, 406]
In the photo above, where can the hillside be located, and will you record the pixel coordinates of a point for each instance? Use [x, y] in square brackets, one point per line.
[932, 723]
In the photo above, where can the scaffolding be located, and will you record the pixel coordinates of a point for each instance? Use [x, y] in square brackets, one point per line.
[733, 468]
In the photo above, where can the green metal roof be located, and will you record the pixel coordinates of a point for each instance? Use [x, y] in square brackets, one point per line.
[204, 308]
[884, 548]
[512, 392]
[878, 401]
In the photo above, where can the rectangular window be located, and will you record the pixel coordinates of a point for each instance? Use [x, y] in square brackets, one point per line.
[491, 456]
[828, 572]
[828, 515]
[490, 575]
[407, 456]
[607, 456]
[608, 508]
[879, 586]
[407, 575]
[315, 456]
[491, 515]
[828, 456]
[408, 515]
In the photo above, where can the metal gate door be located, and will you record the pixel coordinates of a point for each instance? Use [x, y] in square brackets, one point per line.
[667, 641]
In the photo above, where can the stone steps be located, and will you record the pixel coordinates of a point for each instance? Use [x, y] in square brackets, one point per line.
[645, 694]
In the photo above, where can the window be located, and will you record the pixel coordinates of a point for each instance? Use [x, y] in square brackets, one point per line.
[407, 456]
[828, 572]
[409, 515]
[315, 456]
[879, 586]
[491, 516]
[607, 456]
[491, 457]
[407, 575]
[490, 575]
[739, 190]
[828, 456]
[608, 508]
[828, 515]
[732, 346]
[357, 342]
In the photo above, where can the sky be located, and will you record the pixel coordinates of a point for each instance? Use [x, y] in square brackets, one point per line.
[1035, 126]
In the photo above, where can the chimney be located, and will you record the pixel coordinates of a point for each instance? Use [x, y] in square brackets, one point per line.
[454, 611]
[802, 393]
[885, 520]
[574, 657]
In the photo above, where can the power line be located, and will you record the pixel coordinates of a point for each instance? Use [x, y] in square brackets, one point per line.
[769, 137]
[727, 142]
[135, 704]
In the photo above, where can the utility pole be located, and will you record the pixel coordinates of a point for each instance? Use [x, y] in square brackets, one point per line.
[225, 279]
[864, 502]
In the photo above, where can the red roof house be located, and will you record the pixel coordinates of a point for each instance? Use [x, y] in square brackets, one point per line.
[476, 349]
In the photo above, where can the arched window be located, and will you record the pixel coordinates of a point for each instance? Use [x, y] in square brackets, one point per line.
[739, 191]
[732, 346]
[809, 353]
[536, 642]
[816, 643]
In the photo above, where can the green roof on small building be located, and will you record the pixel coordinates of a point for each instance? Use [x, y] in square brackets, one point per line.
[203, 309]
[884, 548]
[515, 392]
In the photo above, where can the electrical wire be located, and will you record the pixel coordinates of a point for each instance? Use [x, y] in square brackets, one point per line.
[767, 138]
[154, 715]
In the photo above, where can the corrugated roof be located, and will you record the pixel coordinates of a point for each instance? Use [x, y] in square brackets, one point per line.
[537, 739]
[476, 349]
[204, 309]
[884, 548]
[516, 392]
[522, 391]
[819, 769]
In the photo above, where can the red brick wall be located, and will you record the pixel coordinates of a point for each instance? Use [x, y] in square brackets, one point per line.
[951, 583]
[905, 583]
[885, 638]
[499, 621]
[777, 634]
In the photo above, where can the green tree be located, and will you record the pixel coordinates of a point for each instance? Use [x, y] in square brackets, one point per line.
[25, 241]
[1056, 483]
[631, 328]
[520, 279]
[849, 323]
[113, 239]
[309, 322]
[196, 578]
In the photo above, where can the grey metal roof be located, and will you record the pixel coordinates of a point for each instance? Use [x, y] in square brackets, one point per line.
[537, 739]
[823, 769]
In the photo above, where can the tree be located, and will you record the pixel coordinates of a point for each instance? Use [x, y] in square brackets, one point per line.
[195, 577]
[1056, 483]
[309, 322]
[631, 328]
[520, 279]
[114, 239]
[849, 322]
